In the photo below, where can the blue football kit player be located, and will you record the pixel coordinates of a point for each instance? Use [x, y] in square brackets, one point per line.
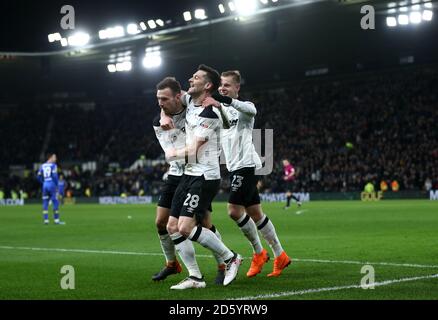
[48, 176]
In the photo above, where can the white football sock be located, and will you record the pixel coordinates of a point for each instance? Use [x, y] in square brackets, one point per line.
[267, 230]
[209, 240]
[249, 229]
[218, 235]
[186, 252]
[167, 246]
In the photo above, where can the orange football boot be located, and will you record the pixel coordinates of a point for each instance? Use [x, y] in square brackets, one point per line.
[258, 260]
[280, 263]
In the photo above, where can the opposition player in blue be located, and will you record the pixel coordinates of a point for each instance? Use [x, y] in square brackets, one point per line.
[48, 176]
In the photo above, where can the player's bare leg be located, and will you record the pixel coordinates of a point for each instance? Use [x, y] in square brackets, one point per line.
[289, 196]
[167, 246]
[249, 229]
[267, 229]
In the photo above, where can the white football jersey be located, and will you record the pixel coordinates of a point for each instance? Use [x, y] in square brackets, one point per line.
[204, 123]
[173, 139]
[237, 141]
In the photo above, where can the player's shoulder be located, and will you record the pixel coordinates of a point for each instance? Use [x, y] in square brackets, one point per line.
[209, 113]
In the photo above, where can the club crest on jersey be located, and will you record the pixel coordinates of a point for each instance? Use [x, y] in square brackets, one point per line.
[204, 125]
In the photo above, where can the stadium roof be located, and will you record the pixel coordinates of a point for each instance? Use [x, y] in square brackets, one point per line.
[274, 46]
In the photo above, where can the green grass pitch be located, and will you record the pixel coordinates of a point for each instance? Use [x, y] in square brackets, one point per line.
[115, 249]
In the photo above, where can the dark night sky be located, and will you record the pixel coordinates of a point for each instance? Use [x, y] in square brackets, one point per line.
[24, 25]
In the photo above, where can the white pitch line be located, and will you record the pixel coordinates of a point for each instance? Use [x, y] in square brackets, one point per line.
[317, 290]
[393, 264]
[133, 253]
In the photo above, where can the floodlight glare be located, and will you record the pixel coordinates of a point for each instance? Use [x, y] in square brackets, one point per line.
[152, 24]
[403, 9]
[132, 28]
[221, 8]
[143, 26]
[231, 6]
[51, 37]
[79, 39]
[403, 19]
[200, 14]
[264, 1]
[246, 7]
[391, 21]
[415, 17]
[103, 34]
[111, 68]
[159, 22]
[427, 15]
[64, 42]
[152, 61]
[187, 16]
[428, 5]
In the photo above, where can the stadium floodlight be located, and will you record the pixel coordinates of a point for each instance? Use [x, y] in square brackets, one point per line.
[103, 34]
[403, 19]
[391, 21]
[187, 16]
[143, 26]
[51, 37]
[392, 4]
[221, 8]
[264, 1]
[160, 22]
[415, 17]
[415, 1]
[152, 58]
[200, 14]
[274, 1]
[392, 11]
[428, 5]
[54, 37]
[64, 42]
[152, 61]
[79, 39]
[231, 6]
[124, 66]
[416, 7]
[152, 24]
[403, 9]
[132, 28]
[111, 68]
[245, 7]
[427, 15]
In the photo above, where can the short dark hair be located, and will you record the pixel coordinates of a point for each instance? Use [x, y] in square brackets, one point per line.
[171, 83]
[232, 73]
[213, 76]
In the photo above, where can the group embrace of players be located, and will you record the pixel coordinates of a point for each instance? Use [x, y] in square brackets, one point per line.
[192, 128]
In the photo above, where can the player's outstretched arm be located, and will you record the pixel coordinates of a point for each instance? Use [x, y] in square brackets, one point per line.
[245, 107]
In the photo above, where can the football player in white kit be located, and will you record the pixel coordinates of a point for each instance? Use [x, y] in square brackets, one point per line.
[169, 99]
[242, 160]
[200, 182]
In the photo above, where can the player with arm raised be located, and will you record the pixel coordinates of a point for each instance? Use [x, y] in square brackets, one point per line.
[242, 160]
[48, 177]
[200, 182]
